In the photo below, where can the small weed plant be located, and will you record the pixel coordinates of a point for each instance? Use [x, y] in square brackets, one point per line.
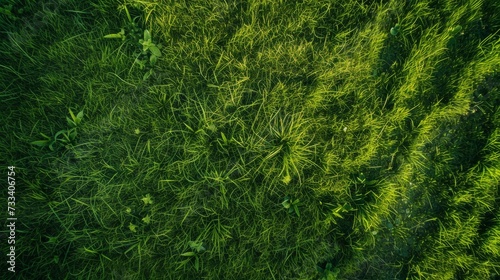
[62, 137]
[194, 255]
[292, 205]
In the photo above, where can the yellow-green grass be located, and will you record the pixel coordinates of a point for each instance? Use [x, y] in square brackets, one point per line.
[187, 167]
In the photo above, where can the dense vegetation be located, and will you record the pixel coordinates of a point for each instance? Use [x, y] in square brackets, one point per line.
[258, 139]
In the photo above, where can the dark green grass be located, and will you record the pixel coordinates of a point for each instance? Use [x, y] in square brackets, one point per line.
[389, 142]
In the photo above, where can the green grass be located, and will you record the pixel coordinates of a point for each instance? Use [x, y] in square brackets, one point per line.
[180, 168]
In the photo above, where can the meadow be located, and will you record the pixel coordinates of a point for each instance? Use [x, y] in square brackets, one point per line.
[251, 139]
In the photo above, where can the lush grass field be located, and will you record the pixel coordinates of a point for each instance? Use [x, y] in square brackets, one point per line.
[258, 139]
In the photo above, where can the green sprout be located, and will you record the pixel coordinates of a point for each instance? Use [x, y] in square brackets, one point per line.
[132, 227]
[292, 205]
[151, 49]
[196, 249]
[148, 45]
[64, 136]
[147, 219]
[147, 199]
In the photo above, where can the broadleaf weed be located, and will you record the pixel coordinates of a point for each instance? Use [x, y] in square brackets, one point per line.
[62, 137]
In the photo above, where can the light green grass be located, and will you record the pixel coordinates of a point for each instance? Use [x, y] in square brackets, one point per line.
[180, 168]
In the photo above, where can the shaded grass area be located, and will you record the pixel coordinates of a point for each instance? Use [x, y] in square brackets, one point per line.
[270, 140]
